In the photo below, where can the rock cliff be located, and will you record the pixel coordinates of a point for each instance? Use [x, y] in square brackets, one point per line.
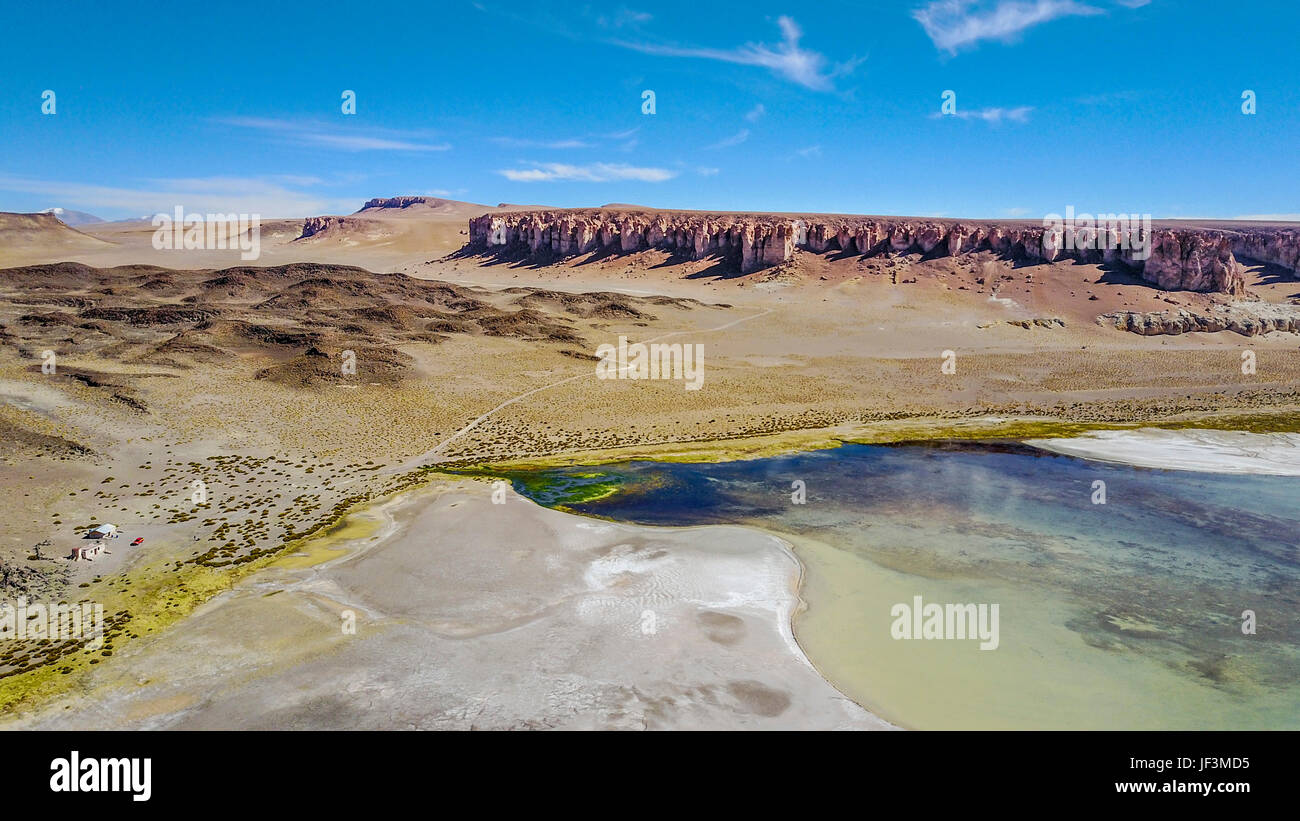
[1174, 258]
[313, 226]
[1245, 318]
[1278, 246]
[399, 202]
[1191, 260]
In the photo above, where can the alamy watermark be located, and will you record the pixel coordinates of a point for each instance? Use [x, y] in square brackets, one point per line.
[1102, 232]
[125, 775]
[655, 360]
[36, 621]
[208, 232]
[945, 621]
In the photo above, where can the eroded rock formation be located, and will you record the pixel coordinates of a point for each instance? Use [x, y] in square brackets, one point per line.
[755, 243]
[1190, 260]
[1174, 258]
[398, 202]
[1278, 246]
[1245, 318]
[320, 225]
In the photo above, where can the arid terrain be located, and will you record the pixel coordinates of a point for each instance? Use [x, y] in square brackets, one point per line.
[224, 409]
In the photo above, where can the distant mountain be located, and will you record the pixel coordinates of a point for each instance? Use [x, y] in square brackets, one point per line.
[42, 237]
[416, 205]
[72, 217]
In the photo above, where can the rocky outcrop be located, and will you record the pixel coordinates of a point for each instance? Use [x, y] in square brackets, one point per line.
[1245, 318]
[320, 225]
[1278, 246]
[1029, 324]
[399, 202]
[1174, 258]
[1194, 261]
[754, 244]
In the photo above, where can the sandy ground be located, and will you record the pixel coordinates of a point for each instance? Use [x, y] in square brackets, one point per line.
[475, 615]
[381, 239]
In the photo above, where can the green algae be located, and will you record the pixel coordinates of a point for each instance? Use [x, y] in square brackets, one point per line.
[906, 431]
[538, 479]
[550, 489]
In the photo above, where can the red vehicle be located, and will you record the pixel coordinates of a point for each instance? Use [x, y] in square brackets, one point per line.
[138, 540]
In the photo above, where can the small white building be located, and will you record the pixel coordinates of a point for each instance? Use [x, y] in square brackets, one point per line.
[87, 552]
[104, 531]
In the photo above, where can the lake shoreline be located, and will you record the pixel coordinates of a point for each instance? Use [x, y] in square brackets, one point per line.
[992, 522]
[987, 431]
[456, 592]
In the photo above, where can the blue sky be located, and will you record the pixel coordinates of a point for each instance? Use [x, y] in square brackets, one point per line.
[1107, 105]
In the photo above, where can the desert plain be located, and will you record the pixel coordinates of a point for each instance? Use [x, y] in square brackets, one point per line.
[200, 402]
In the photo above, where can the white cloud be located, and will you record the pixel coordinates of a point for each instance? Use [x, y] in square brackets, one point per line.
[787, 58]
[589, 141]
[314, 133]
[594, 172]
[756, 113]
[1014, 212]
[240, 195]
[735, 139]
[517, 143]
[1019, 114]
[706, 172]
[624, 17]
[809, 151]
[952, 24]
[357, 142]
[620, 135]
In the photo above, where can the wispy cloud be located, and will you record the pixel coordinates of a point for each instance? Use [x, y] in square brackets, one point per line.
[787, 59]
[735, 139]
[954, 24]
[1019, 114]
[623, 17]
[707, 172]
[269, 197]
[518, 143]
[1109, 98]
[809, 151]
[621, 135]
[756, 113]
[588, 141]
[594, 172]
[342, 139]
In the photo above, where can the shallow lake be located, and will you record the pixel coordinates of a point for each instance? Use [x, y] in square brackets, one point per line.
[1122, 614]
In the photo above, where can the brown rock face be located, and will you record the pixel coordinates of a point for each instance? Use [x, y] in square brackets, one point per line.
[319, 225]
[1279, 246]
[1189, 260]
[1192, 259]
[755, 243]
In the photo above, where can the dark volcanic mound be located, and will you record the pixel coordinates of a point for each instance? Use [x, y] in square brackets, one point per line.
[298, 318]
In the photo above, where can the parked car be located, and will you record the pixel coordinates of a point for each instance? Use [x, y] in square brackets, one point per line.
[137, 541]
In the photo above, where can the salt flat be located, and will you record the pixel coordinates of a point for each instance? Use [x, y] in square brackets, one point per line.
[1214, 451]
[474, 615]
